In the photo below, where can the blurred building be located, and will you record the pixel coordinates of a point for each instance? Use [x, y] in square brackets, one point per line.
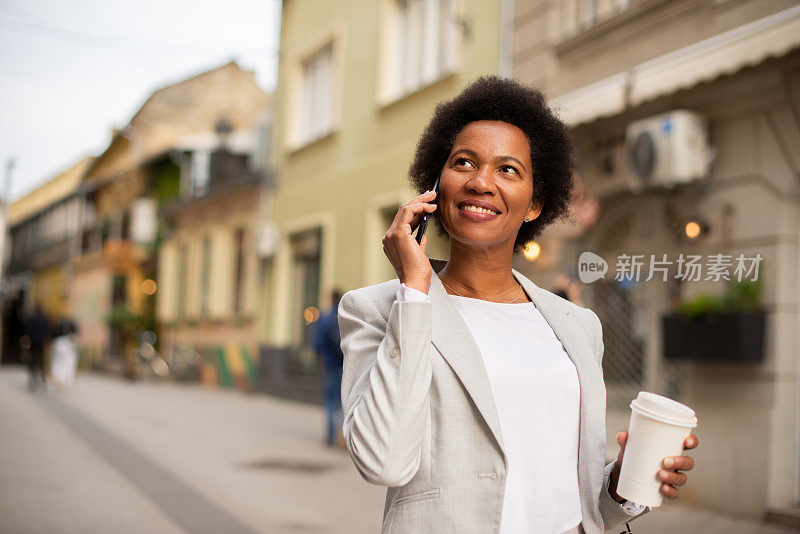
[208, 264]
[43, 226]
[162, 157]
[357, 83]
[684, 111]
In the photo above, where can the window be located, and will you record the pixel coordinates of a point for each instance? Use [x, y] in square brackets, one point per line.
[316, 110]
[306, 278]
[119, 291]
[200, 172]
[421, 47]
[182, 273]
[206, 276]
[580, 15]
[239, 272]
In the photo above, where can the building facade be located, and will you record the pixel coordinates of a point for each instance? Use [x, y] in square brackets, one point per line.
[207, 264]
[44, 225]
[713, 83]
[358, 81]
[163, 156]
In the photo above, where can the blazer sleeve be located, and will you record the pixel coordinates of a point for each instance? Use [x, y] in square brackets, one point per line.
[614, 514]
[386, 381]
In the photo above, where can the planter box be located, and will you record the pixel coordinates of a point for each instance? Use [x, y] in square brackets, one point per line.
[722, 337]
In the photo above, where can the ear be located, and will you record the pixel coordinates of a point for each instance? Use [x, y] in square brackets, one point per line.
[534, 210]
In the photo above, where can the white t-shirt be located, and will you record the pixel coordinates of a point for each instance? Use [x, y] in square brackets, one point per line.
[537, 396]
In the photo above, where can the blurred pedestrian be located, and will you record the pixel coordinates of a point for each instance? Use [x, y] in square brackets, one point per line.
[37, 328]
[327, 344]
[65, 354]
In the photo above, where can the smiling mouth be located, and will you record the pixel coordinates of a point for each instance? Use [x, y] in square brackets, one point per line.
[476, 209]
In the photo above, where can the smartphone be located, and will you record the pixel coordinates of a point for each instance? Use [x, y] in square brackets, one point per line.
[424, 222]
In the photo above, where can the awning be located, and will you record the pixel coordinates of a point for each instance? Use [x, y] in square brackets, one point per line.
[726, 53]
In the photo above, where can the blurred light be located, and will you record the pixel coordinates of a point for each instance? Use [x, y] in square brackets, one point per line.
[696, 227]
[532, 250]
[692, 229]
[148, 287]
[311, 314]
[161, 368]
[147, 351]
[149, 337]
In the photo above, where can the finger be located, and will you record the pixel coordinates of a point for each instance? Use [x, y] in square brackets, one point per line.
[420, 199]
[417, 207]
[622, 439]
[690, 442]
[410, 215]
[684, 463]
[427, 196]
[671, 477]
[668, 491]
[424, 242]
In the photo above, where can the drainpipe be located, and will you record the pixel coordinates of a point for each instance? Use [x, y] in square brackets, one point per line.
[797, 378]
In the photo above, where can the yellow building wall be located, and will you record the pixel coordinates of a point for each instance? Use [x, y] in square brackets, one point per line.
[217, 218]
[342, 181]
[49, 291]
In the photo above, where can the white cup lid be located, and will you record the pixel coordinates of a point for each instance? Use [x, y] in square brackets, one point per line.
[664, 409]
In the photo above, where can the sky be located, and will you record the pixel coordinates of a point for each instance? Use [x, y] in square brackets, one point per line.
[71, 71]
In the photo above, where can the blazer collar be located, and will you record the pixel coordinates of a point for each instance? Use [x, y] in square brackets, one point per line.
[451, 336]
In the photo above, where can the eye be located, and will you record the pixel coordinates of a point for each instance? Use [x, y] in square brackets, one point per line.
[458, 160]
[514, 169]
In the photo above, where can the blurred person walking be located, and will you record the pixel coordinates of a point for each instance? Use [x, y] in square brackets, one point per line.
[37, 328]
[327, 343]
[65, 354]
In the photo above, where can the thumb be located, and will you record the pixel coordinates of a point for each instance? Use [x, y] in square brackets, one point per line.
[424, 242]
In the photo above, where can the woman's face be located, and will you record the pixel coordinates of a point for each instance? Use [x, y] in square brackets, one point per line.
[486, 187]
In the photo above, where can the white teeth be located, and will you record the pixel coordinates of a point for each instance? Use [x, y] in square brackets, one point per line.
[476, 209]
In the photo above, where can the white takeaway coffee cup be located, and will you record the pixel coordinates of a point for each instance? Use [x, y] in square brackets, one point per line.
[657, 428]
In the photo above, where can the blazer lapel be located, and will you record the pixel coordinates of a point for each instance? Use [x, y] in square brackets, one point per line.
[451, 336]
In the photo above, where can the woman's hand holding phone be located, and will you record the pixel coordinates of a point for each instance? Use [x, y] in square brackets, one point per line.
[406, 255]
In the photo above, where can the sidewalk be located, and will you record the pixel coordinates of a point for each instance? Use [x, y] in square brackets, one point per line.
[115, 456]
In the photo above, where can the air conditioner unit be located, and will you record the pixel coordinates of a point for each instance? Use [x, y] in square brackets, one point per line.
[667, 150]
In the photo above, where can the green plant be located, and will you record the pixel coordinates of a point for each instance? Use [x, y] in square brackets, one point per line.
[740, 296]
[125, 320]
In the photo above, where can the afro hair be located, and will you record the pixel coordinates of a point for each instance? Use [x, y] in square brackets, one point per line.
[502, 99]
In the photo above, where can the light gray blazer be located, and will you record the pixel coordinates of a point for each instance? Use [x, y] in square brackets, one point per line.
[420, 418]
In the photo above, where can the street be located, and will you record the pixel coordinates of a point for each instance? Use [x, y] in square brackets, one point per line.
[118, 456]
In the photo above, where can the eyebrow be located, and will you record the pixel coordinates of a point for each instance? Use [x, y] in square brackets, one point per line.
[500, 158]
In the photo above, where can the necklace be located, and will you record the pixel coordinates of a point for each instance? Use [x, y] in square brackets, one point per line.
[460, 295]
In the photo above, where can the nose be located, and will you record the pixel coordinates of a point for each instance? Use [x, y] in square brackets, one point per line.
[481, 181]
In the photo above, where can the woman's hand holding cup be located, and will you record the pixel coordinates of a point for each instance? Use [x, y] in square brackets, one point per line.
[406, 255]
[669, 475]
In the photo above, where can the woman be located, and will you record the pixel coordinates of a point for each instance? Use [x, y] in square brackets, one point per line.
[468, 390]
